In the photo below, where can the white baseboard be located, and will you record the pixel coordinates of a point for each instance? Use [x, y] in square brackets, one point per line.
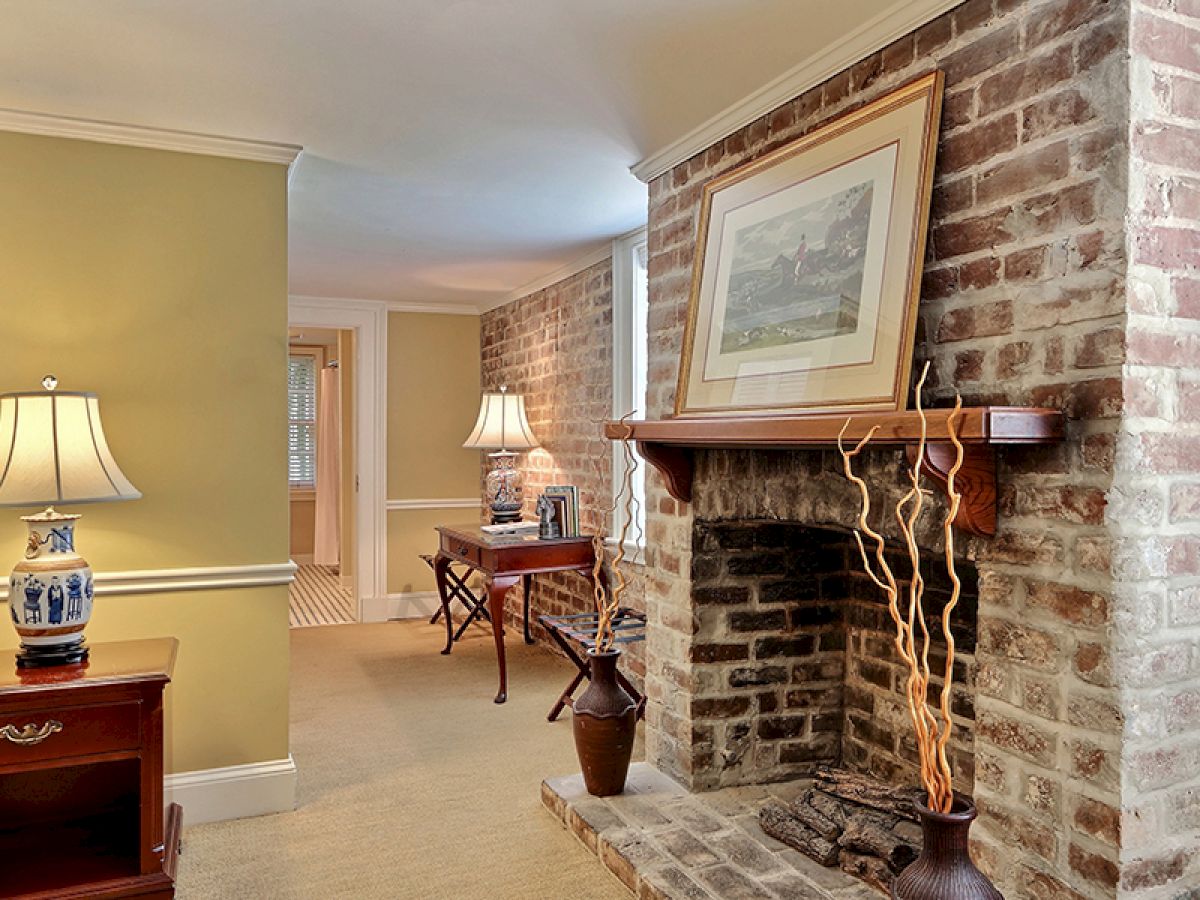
[233, 792]
[407, 605]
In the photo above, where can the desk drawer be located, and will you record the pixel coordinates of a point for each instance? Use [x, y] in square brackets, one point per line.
[34, 735]
[460, 549]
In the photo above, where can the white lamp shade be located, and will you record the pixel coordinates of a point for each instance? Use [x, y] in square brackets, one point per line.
[501, 424]
[53, 450]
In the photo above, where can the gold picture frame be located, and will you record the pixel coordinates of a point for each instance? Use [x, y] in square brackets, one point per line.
[830, 326]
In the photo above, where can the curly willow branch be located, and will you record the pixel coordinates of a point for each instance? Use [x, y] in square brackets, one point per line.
[608, 603]
[931, 735]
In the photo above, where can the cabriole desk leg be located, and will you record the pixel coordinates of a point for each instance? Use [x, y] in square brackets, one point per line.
[498, 586]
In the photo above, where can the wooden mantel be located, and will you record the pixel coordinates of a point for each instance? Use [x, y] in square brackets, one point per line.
[667, 444]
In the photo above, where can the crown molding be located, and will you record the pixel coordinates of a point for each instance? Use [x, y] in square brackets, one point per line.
[900, 18]
[574, 267]
[397, 306]
[141, 136]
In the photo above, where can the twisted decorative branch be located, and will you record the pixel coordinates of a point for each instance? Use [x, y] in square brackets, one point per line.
[608, 603]
[931, 735]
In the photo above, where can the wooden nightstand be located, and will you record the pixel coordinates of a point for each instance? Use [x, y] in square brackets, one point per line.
[81, 776]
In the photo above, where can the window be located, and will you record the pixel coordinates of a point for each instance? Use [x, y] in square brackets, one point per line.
[630, 366]
[302, 420]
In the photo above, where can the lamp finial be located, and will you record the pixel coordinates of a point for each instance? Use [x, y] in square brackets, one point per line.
[49, 382]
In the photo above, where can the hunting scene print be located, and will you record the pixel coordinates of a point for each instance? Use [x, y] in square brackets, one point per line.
[798, 276]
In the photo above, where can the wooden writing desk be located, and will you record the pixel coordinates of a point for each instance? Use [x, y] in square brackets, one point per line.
[504, 560]
[81, 776]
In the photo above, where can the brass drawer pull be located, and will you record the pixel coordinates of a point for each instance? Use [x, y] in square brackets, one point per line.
[462, 549]
[30, 734]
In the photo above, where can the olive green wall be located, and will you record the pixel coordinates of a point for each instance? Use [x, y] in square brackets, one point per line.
[159, 280]
[433, 399]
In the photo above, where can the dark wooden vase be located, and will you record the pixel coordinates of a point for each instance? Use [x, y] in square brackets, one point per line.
[944, 870]
[605, 723]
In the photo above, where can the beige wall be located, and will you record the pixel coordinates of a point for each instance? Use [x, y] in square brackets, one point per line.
[159, 280]
[433, 399]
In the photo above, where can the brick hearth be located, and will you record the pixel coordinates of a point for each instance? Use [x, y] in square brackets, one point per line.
[665, 843]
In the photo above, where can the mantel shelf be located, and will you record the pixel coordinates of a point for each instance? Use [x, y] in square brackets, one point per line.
[667, 444]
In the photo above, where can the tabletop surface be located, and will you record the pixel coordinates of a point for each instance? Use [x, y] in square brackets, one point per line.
[107, 663]
[476, 535]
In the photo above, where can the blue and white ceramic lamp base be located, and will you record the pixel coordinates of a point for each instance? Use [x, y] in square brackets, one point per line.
[50, 593]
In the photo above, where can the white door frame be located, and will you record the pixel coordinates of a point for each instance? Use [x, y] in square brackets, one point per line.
[369, 322]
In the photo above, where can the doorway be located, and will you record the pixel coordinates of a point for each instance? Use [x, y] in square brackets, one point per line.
[354, 334]
[320, 476]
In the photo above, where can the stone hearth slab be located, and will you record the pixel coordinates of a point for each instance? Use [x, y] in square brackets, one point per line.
[664, 843]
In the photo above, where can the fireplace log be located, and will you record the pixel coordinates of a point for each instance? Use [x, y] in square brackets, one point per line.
[827, 824]
[866, 791]
[873, 835]
[781, 823]
[870, 869]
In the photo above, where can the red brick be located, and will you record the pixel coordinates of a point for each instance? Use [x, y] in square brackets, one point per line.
[1071, 503]
[985, 320]
[986, 53]
[1163, 142]
[1068, 603]
[1157, 871]
[1155, 348]
[1187, 297]
[1024, 80]
[1022, 548]
[1099, 820]
[951, 197]
[1025, 265]
[1029, 171]
[1092, 867]
[899, 54]
[1054, 113]
[968, 365]
[1045, 887]
[979, 273]
[969, 147]
[1013, 359]
[1021, 738]
[1165, 41]
[1096, 44]
[970, 235]
[1097, 452]
[958, 109]
[1100, 348]
[932, 36]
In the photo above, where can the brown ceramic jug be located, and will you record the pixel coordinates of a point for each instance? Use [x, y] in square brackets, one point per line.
[944, 870]
[605, 724]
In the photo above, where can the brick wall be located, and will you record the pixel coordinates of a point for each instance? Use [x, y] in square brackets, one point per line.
[794, 665]
[1023, 302]
[1155, 514]
[555, 347]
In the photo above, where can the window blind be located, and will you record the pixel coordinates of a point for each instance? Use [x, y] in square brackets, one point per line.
[302, 421]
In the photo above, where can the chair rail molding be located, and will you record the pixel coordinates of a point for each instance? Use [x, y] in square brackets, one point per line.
[448, 503]
[103, 132]
[898, 19]
[368, 319]
[197, 578]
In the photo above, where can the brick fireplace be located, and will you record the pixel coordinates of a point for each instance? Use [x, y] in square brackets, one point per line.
[796, 667]
[1062, 271]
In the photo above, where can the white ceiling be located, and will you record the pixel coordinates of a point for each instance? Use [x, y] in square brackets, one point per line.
[454, 149]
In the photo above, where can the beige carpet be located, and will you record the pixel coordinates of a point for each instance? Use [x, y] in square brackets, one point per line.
[413, 784]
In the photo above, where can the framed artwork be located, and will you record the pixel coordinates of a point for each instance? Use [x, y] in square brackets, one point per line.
[808, 268]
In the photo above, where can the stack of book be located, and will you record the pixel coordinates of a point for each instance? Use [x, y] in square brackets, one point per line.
[565, 498]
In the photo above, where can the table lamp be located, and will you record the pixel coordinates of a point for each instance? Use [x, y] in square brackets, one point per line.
[502, 428]
[53, 450]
